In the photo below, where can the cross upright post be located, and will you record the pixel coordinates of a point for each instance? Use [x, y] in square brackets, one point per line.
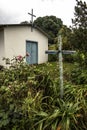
[60, 66]
[32, 15]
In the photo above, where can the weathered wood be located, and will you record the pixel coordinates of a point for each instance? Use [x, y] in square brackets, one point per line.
[68, 52]
[51, 52]
[58, 51]
[60, 66]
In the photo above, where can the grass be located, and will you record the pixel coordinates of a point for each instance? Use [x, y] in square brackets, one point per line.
[52, 68]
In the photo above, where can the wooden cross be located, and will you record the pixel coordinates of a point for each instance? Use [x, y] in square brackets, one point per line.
[60, 52]
[32, 15]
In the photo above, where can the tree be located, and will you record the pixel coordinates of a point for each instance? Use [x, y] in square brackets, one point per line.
[50, 24]
[66, 35]
[80, 15]
[80, 28]
[24, 22]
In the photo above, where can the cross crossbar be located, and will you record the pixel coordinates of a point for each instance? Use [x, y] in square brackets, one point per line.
[51, 52]
[32, 14]
[56, 52]
[68, 52]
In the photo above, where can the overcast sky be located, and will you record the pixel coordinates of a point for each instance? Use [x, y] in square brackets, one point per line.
[16, 11]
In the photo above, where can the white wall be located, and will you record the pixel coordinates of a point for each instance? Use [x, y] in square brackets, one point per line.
[2, 54]
[15, 42]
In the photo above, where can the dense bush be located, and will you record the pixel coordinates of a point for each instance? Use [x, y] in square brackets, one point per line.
[79, 75]
[21, 88]
[30, 100]
[52, 57]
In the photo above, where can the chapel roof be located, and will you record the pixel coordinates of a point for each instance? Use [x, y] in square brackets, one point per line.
[23, 24]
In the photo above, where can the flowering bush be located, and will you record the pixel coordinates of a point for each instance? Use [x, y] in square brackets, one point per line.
[16, 59]
[19, 58]
[21, 89]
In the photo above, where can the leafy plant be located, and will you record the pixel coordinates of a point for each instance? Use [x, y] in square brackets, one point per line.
[30, 99]
[79, 75]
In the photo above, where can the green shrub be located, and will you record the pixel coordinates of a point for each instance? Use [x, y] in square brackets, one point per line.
[30, 100]
[21, 89]
[79, 75]
[52, 57]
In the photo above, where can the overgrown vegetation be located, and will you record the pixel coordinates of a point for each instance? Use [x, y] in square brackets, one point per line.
[30, 98]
